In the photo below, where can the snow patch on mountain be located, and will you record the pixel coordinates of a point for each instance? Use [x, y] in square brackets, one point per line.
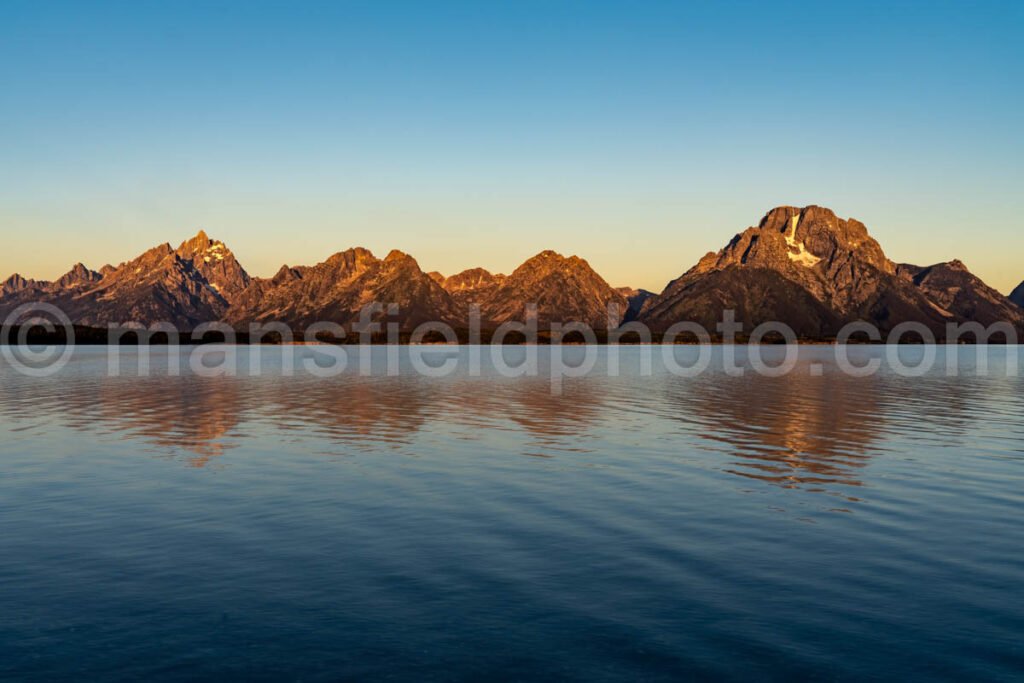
[802, 256]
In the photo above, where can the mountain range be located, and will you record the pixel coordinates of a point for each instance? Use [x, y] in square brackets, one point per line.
[817, 272]
[805, 267]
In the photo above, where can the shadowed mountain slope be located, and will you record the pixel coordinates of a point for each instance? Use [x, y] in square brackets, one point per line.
[827, 272]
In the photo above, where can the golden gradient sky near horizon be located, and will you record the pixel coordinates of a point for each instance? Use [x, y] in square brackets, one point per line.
[485, 236]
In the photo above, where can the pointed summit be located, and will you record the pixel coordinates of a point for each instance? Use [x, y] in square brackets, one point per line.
[15, 283]
[564, 289]
[156, 286]
[215, 262]
[201, 242]
[285, 274]
[78, 275]
[398, 256]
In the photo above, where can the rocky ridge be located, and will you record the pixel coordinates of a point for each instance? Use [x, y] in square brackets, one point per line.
[803, 266]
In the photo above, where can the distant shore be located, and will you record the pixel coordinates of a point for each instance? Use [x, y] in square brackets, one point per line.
[92, 336]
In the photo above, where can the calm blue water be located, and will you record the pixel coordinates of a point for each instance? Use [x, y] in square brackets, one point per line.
[475, 528]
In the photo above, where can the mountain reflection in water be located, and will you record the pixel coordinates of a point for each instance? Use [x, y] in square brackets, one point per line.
[796, 431]
[810, 526]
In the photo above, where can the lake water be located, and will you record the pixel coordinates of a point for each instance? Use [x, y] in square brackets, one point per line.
[483, 527]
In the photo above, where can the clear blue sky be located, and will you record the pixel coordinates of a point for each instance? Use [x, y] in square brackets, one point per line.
[637, 135]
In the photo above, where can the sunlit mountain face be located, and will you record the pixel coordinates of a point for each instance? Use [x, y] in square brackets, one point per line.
[804, 267]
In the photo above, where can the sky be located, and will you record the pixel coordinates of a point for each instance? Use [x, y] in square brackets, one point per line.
[637, 135]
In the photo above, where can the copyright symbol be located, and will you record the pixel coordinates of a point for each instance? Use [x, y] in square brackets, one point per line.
[34, 361]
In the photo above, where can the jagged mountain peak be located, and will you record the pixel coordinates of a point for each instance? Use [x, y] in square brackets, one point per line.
[214, 262]
[794, 239]
[799, 264]
[547, 262]
[286, 274]
[780, 215]
[159, 285]
[78, 275]
[550, 256]
[337, 289]
[142, 263]
[957, 292]
[198, 243]
[396, 256]
[203, 245]
[16, 283]
[802, 264]
[563, 288]
[351, 253]
[151, 256]
[472, 279]
[471, 286]
[912, 271]
[829, 256]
